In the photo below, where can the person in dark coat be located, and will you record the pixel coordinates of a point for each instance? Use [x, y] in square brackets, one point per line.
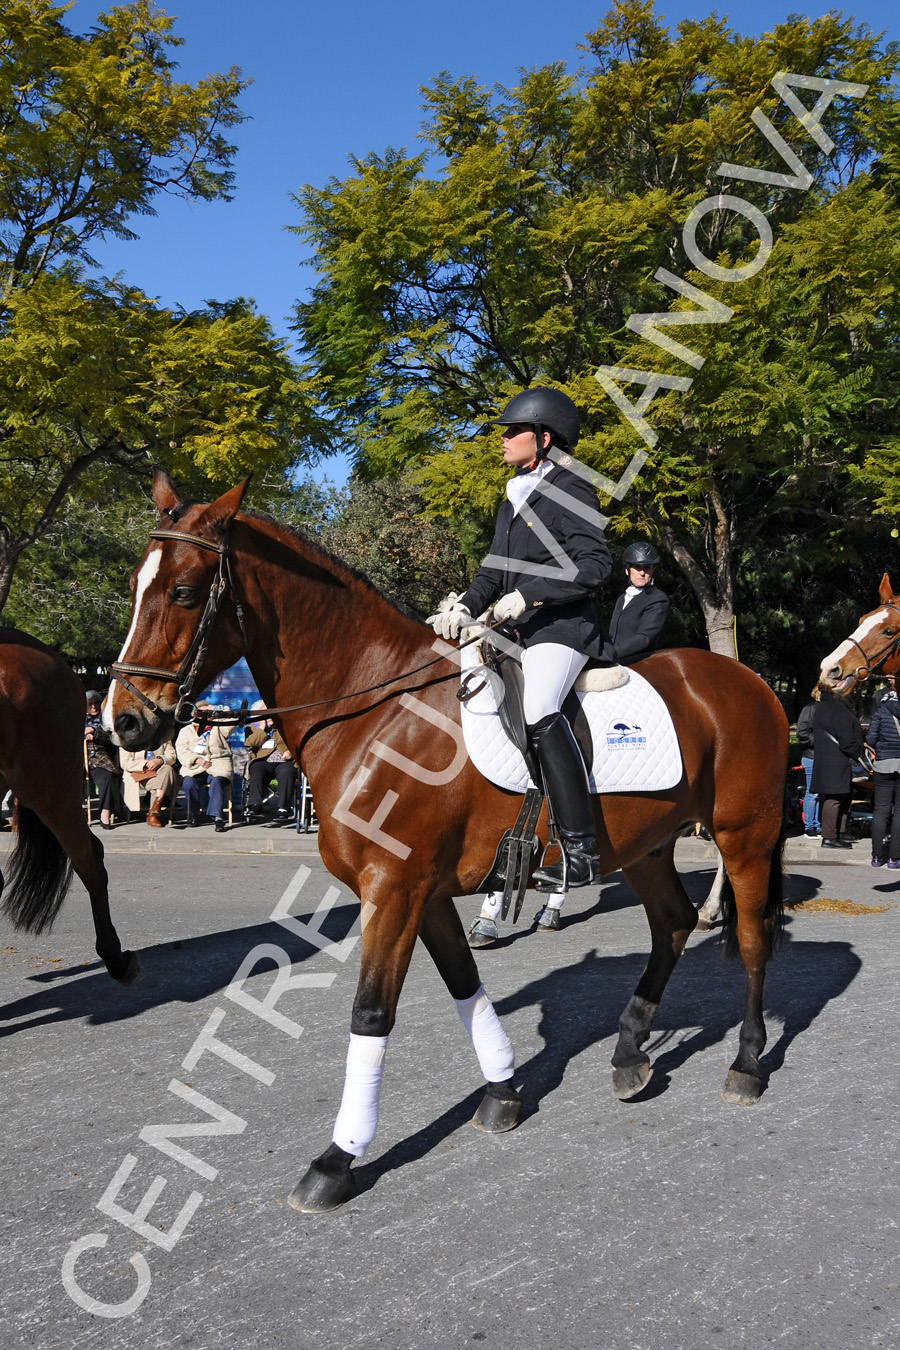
[837, 742]
[883, 739]
[641, 611]
[547, 559]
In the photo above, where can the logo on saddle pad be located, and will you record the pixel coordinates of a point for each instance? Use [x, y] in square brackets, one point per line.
[625, 736]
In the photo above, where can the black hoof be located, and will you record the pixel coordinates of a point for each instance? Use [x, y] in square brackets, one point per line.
[126, 969]
[499, 1110]
[547, 920]
[328, 1184]
[744, 1089]
[630, 1079]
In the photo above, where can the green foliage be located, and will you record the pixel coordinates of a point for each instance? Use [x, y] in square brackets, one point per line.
[73, 591]
[97, 380]
[378, 527]
[513, 249]
[93, 127]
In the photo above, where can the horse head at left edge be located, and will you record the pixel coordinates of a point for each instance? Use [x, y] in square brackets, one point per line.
[178, 639]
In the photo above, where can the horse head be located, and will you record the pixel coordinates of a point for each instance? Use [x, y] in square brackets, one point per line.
[873, 647]
[175, 646]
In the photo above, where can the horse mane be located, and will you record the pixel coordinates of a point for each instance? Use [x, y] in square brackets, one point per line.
[329, 561]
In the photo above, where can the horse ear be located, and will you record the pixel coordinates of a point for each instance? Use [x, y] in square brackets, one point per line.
[164, 494]
[885, 590]
[219, 515]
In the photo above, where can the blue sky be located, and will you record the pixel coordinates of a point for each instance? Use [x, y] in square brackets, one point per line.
[335, 79]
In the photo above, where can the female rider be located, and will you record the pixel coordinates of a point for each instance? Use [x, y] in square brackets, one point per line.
[547, 558]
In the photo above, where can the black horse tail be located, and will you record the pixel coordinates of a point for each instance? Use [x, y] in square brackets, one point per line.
[38, 875]
[773, 916]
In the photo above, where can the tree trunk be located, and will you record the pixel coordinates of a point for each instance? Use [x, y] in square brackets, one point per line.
[720, 630]
[716, 597]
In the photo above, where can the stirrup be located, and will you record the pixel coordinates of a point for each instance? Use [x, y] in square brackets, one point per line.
[567, 874]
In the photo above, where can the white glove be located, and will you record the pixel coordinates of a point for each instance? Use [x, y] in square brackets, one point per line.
[451, 618]
[510, 606]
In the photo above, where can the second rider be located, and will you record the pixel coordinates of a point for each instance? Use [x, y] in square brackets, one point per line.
[545, 594]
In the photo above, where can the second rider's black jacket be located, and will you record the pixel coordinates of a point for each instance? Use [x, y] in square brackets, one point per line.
[560, 607]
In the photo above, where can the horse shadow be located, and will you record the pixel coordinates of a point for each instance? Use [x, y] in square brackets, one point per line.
[185, 971]
[705, 992]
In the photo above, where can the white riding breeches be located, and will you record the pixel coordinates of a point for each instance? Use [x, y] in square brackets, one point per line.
[549, 670]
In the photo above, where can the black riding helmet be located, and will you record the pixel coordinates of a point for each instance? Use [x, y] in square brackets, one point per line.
[636, 554]
[545, 410]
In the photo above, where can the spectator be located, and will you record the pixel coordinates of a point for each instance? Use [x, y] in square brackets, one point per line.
[640, 612]
[156, 771]
[837, 742]
[883, 739]
[270, 758]
[810, 806]
[102, 762]
[205, 759]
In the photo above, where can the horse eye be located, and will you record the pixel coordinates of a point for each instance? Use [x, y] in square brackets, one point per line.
[888, 632]
[184, 595]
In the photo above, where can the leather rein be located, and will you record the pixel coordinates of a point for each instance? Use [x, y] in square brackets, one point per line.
[876, 661]
[186, 675]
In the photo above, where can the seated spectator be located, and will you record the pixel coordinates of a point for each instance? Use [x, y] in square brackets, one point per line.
[156, 771]
[270, 758]
[102, 762]
[205, 760]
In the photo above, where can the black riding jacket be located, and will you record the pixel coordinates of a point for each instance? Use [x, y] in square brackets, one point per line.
[635, 627]
[560, 607]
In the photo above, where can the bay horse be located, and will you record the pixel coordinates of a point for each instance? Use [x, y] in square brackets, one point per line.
[872, 648]
[405, 820]
[42, 710]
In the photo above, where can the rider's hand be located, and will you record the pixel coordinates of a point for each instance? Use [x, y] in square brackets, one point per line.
[510, 606]
[451, 618]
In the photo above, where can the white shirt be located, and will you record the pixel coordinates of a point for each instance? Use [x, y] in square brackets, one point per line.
[520, 488]
[630, 593]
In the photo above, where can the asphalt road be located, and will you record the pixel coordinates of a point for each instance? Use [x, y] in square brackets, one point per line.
[666, 1223]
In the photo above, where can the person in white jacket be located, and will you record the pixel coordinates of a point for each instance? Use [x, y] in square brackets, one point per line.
[205, 759]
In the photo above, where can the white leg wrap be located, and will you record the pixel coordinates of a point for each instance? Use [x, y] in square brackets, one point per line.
[556, 900]
[490, 905]
[357, 1119]
[492, 1045]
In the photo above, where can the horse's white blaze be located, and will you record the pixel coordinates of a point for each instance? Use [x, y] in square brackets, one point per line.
[846, 646]
[148, 571]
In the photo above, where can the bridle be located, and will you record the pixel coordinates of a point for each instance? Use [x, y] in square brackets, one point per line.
[186, 675]
[876, 661]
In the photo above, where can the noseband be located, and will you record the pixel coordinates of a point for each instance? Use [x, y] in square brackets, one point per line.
[876, 661]
[186, 674]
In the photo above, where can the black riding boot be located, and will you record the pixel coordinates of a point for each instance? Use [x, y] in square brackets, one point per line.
[566, 785]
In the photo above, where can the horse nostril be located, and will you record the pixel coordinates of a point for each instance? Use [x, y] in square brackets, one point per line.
[127, 726]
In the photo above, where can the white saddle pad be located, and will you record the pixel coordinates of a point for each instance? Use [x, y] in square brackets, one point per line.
[635, 745]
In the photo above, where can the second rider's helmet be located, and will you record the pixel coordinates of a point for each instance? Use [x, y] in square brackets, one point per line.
[545, 410]
[640, 553]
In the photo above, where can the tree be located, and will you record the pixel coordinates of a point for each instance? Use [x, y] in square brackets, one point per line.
[515, 248]
[97, 379]
[93, 128]
[379, 528]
